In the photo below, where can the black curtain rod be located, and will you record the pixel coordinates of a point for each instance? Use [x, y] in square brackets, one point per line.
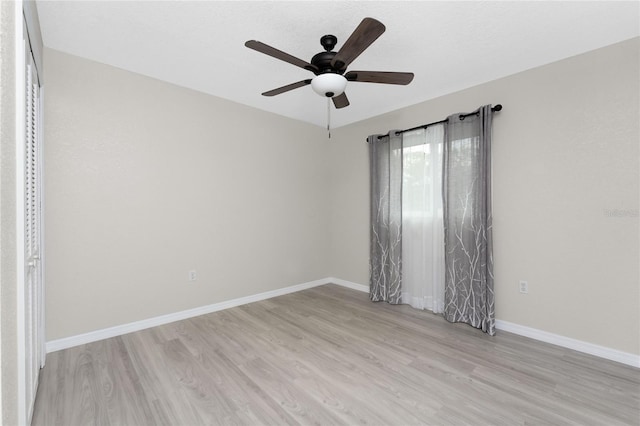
[496, 108]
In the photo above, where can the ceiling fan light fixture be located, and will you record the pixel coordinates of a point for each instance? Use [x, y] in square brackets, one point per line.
[329, 84]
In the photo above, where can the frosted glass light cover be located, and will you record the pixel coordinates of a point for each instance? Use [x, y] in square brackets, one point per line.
[329, 84]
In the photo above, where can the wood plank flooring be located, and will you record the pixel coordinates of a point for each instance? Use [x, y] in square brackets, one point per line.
[328, 356]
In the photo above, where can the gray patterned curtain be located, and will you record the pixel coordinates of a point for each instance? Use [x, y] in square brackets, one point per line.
[385, 157]
[468, 238]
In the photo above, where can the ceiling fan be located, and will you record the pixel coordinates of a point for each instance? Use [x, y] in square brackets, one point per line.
[329, 66]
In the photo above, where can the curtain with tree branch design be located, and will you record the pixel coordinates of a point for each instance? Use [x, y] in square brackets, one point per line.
[385, 159]
[469, 296]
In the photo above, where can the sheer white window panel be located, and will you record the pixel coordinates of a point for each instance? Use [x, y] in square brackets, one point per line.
[422, 225]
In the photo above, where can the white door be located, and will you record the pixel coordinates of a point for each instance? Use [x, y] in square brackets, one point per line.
[33, 339]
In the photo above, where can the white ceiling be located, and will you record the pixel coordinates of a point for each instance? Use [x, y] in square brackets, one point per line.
[448, 45]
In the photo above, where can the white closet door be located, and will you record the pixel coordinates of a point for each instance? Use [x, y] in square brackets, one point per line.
[32, 234]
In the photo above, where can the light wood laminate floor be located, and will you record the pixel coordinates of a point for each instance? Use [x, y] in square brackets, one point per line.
[328, 356]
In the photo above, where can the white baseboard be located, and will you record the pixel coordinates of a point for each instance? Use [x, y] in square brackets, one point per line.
[349, 284]
[569, 343]
[556, 339]
[119, 330]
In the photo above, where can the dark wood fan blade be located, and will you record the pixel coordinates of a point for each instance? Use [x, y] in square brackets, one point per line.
[366, 33]
[287, 88]
[385, 77]
[341, 101]
[279, 54]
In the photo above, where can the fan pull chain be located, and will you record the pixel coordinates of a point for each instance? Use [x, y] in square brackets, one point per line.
[329, 117]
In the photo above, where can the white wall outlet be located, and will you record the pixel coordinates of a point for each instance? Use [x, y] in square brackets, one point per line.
[193, 275]
[524, 287]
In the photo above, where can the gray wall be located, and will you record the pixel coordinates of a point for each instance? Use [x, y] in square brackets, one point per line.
[565, 154]
[145, 181]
